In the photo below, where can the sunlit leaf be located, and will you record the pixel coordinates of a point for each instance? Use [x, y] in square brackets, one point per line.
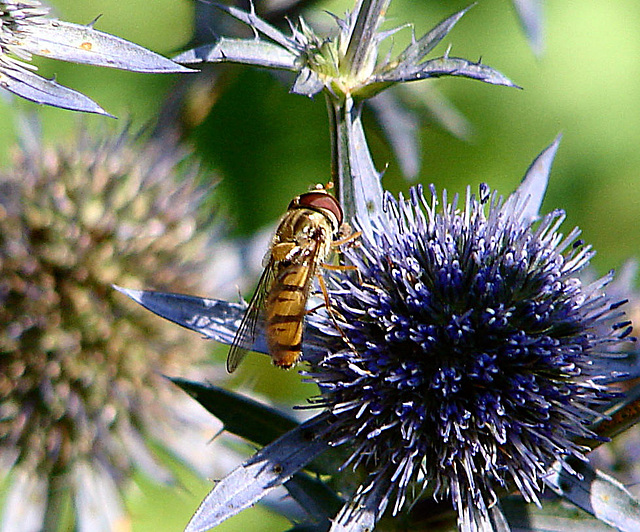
[446, 66]
[84, 44]
[262, 473]
[527, 199]
[240, 415]
[31, 86]
[598, 494]
[247, 51]
[214, 318]
[251, 19]
[418, 49]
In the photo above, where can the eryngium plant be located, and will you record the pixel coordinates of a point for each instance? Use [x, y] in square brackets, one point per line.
[81, 383]
[478, 362]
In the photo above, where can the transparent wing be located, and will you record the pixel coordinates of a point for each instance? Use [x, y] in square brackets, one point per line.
[246, 334]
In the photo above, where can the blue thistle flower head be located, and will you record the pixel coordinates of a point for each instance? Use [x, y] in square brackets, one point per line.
[474, 356]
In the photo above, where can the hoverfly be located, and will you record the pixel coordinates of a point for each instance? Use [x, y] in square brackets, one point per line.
[300, 244]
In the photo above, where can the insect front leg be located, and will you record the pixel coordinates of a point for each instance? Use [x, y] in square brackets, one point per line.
[347, 236]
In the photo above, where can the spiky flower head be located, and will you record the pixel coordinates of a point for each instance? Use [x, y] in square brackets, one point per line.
[81, 382]
[475, 359]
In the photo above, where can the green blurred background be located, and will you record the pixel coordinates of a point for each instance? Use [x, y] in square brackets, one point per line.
[269, 146]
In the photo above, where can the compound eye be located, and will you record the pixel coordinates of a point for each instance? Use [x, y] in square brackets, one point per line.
[321, 200]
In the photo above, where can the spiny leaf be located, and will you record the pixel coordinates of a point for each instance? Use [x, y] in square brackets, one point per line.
[35, 88]
[84, 44]
[527, 199]
[446, 66]
[251, 19]
[240, 415]
[418, 49]
[262, 473]
[214, 318]
[247, 51]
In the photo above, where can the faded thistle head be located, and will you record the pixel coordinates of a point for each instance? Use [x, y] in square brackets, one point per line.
[477, 353]
[81, 384]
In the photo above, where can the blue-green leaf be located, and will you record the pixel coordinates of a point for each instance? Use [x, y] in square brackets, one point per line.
[215, 319]
[414, 53]
[240, 415]
[31, 86]
[84, 44]
[259, 25]
[260, 474]
[598, 494]
[445, 66]
[246, 51]
[527, 199]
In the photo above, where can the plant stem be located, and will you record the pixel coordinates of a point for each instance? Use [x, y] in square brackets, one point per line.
[357, 183]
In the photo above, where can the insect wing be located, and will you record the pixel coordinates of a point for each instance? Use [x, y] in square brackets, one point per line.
[246, 334]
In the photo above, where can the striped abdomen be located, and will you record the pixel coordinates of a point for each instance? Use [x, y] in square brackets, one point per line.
[285, 310]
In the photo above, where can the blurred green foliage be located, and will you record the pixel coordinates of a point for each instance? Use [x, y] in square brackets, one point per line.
[269, 145]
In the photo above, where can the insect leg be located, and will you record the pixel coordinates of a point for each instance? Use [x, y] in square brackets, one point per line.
[332, 312]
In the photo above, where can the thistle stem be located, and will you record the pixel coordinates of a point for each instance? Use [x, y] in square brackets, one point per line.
[370, 13]
[357, 183]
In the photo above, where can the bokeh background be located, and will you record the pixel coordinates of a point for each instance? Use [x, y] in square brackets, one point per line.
[268, 145]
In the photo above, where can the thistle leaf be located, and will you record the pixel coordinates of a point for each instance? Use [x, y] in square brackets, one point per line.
[251, 19]
[445, 66]
[262, 473]
[213, 318]
[531, 19]
[31, 86]
[413, 53]
[84, 44]
[527, 199]
[240, 415]
[247, 51]
[598, 494]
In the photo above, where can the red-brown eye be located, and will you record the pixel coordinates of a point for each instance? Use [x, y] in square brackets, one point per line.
[321, 200]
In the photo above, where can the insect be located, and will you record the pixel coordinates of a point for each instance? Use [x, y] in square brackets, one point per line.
[302, 242]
